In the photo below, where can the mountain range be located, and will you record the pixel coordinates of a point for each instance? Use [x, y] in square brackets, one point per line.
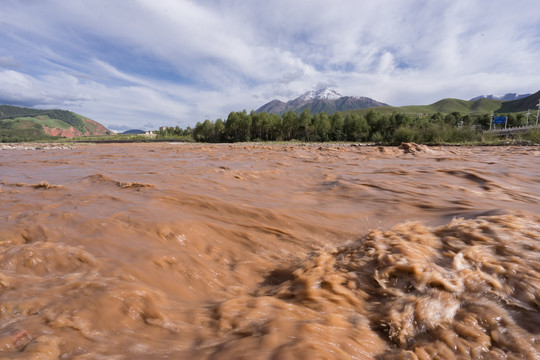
[318, 101]
[18, 123]
[530, 102]
[470, 107]
[505, 97]
[28, 124]
[331, 101]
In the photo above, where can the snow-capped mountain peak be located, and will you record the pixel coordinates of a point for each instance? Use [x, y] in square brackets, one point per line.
[318, 101]
[320, 94]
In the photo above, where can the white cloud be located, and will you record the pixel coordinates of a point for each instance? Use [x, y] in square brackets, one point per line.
[7, 61]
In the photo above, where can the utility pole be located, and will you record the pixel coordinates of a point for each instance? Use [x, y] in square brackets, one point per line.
[490, 120]
[528, 114]
[538, 112]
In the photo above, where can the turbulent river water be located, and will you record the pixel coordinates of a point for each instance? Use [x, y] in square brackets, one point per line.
[246, 251]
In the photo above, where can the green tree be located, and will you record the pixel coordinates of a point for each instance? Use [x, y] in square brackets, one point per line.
[483, 121]
[232, 127]
[355, 127]
[376, 125]
[219, 130]
[336, 127]
[467, 120]
[516, 120]
[377, 137]
[453, 119]
[208, 131]
[275, 127]
[304, 125]
[257, 123]
[244, 126]
[290, 123]
[238, 127]
[404, 134]
[198, 132]
[322, 126]
[437, 118]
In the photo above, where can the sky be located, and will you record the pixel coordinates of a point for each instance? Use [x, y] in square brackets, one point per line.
[142, 64]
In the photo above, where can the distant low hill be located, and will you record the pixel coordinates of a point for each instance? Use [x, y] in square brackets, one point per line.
[318, 101]
[27, 124]
[134, 131]
[524, 104]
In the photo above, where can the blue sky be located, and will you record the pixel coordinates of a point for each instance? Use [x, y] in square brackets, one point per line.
[147, 63]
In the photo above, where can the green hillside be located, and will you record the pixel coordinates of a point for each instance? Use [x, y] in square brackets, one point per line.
[26, 124]
[519, 105]
[444, 106]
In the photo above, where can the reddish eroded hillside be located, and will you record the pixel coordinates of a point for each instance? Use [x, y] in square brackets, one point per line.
[67, 133]
[92, 128]
[95, 128]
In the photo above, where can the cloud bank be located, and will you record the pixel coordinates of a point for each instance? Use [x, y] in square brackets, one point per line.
[146, 63]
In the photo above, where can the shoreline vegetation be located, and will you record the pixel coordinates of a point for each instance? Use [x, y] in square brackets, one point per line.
[369, 128]
[67, 145]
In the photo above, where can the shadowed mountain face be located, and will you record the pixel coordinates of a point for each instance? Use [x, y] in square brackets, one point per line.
[528, 103]
[319, 101]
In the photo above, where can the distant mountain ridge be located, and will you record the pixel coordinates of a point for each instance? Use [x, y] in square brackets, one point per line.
[444, 106]
[134, 131]
[319, 101]
[26, 123]
[505, 97]
[527, 103]
[471, 107]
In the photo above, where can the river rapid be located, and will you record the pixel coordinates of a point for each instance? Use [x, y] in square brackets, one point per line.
[257, 251]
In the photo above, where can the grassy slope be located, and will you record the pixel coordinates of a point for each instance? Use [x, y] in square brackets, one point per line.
[444, 106]
[53, 123]
[19, 123]
[25, 123]
[521, 105]
[22, 129]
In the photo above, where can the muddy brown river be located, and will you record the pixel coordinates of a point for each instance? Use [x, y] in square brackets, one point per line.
[257, 251]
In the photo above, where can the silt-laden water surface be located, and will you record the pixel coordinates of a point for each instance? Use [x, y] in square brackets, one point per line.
[257, 251]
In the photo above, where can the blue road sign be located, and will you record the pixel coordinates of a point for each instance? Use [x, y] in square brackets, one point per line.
[499, 120]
